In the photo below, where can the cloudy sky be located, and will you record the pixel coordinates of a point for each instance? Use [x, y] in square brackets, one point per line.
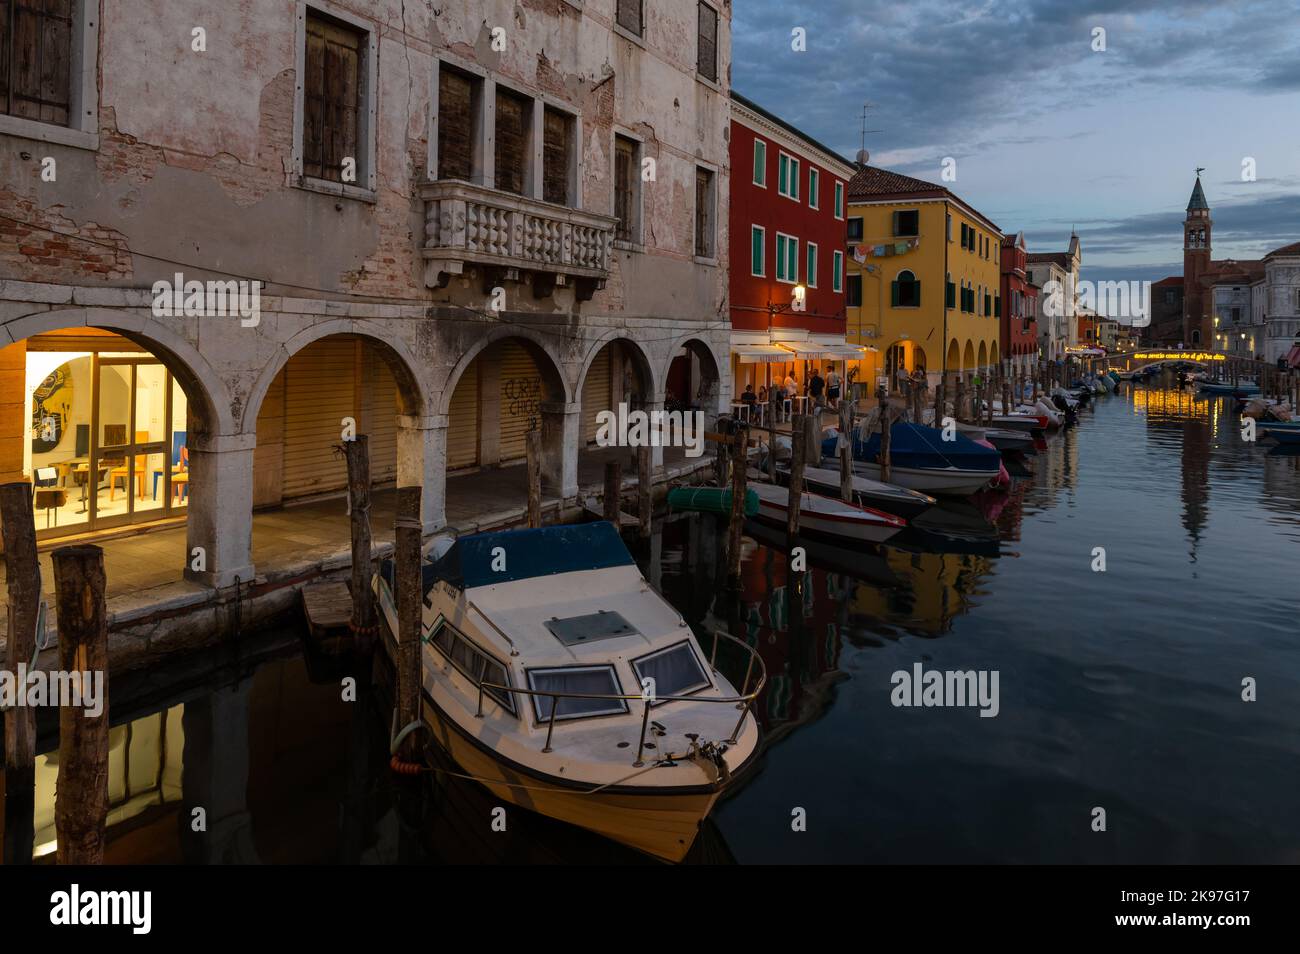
[1049, 134]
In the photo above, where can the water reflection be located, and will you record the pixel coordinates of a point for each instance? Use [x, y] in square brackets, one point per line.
[1119, 687]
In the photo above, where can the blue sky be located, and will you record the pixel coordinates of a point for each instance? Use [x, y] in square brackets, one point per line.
[1047, 133]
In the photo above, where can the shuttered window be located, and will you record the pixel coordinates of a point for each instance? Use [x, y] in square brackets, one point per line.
[704, 213]
[331, 98]
[625, 186]
[837, 278]
[787, 258]
[839, 200]
[455, 124]
[811, 270]
[629, 16]
[511, 140]
[757, 235]
[760, 163]
[557, 144]
[814, 189]
[36, 59]
[707, 52]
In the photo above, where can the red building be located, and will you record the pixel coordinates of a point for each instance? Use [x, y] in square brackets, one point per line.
[1019, 327]
[788, 201]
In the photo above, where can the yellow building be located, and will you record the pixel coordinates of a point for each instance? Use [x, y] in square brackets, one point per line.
[924, 281]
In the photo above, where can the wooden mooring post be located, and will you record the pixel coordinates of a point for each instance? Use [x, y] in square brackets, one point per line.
[885, 434]
[846, 452]
[739, 459]
[613, 491]
[798, 454]
[644, 485]
[408, 538]
[364, 621]
[23, 582]
[81, 800]
[533, 447]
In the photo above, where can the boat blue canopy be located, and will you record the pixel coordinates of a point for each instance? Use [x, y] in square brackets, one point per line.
[915, 445]
[544, 551]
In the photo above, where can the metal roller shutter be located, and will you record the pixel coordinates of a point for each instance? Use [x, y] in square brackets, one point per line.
[319, 393]
[462, 422]
[597, 394]
[380, 394]
[521, 389]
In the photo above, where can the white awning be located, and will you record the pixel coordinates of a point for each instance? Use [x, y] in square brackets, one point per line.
[760, 353]
[829, 351]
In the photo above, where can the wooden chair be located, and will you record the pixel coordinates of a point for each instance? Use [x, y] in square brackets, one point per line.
[141, 462]
[181, 477]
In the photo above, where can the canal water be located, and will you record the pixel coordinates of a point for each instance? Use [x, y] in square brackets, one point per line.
[1119, 689]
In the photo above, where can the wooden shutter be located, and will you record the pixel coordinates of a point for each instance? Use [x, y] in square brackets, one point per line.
[597, 394]
[624, 162]
[756, 264]
[331, 98]
[707, 58]
[36, 59]
[760, 162]
[319, 393]
[555, 156]
[629, 16]
[455, 125]
[520, 397]
[511, 141]
[893, 293]
[463, 421]
[703, 213]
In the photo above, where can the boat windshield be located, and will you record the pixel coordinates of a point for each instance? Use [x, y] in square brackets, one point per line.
[676, 670]
[583, 680]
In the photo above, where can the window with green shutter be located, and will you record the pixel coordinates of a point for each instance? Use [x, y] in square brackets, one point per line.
[811, 265]
[949, 295]
[783, 174]
[814, 189]
[757, 236]
[792, 259]
[839, 200]
[760, 163]
[837, 279]
[997, 306]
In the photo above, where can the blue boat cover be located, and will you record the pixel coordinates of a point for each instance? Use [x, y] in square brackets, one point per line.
[530, 553]
[915, 445]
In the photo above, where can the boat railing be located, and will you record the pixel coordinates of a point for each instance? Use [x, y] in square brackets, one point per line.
[750, 690]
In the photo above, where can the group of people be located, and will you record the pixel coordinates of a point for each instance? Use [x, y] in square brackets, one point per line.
[906, 381]
[824, 392]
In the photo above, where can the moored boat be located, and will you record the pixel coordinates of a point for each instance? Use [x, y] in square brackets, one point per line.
[827, 516]
[890, 498]
[921, 459]
[536, 650]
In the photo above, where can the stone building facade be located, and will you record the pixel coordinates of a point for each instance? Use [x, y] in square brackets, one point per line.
[465, 220]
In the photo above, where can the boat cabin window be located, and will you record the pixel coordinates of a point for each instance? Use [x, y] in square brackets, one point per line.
[594, 680]
[473, 663]
[676, 671]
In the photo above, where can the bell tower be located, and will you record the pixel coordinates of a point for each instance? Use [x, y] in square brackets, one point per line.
[1197, 228]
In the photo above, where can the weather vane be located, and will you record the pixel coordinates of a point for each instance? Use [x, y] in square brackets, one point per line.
[1199, 170]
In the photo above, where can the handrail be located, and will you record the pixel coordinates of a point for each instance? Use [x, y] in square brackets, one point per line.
[744, 701]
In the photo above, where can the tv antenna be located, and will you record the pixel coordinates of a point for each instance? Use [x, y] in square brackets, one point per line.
[863, 155]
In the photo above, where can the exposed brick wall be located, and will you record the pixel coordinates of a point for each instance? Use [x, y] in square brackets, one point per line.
[43, 245]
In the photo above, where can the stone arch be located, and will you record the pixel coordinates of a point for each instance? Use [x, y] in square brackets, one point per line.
[953, 360]
[983, 360]
[411, 390]
[538, 344]
[711, 365]
[968, 356]
[644, 366]
[995, 358]
[204, 389]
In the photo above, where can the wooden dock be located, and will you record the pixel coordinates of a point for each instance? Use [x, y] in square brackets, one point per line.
[328, 608]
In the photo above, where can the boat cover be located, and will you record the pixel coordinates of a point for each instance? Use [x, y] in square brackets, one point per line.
[544, 551]
[915, 445]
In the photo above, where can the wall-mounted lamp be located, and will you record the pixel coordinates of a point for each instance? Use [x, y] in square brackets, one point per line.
[798, 298]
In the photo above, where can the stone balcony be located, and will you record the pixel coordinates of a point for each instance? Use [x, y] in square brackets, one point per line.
[505, 236]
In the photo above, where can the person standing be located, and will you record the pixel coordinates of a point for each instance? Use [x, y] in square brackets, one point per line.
[816, 387]
[903, 380]
[833, 388]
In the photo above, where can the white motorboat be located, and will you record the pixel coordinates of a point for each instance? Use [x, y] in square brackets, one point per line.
[827, 516]
[891, 498]
[553, 674]
[947, 481]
